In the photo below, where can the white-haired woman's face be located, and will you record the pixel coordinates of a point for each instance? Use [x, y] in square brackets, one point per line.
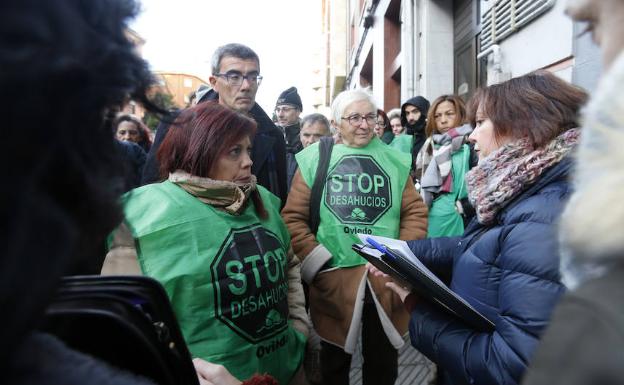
[357, 123]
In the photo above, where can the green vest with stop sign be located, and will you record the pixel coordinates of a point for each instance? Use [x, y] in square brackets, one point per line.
[226, 277]
[362, 195]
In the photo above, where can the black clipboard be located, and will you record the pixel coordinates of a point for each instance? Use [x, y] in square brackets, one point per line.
[395, 264]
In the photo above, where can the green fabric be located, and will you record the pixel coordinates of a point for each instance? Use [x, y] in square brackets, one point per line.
[226, 277]
[362, 195]
[402, 143]
[444, 220]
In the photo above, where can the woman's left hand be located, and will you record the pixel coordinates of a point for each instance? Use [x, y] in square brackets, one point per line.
[401, 291]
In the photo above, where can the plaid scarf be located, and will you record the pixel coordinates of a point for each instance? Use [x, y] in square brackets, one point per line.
[435, 162]
[508, 171]
[229, 196]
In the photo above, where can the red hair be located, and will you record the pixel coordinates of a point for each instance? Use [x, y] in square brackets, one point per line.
[199, 136]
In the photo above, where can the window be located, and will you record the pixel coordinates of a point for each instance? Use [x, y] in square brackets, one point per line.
[505, 17]
[188, 82]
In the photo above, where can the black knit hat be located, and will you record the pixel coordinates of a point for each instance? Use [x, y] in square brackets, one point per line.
[290, 96]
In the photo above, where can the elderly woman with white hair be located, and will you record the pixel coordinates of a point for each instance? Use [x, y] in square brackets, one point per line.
[367, 190]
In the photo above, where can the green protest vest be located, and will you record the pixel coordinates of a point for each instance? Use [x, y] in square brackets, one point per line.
[226, 277]
[402, 143]
[444, 220]
[362, 195]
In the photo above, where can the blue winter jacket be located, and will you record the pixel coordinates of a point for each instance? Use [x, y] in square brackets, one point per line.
[508, 271]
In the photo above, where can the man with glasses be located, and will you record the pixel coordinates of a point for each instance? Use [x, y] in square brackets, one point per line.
[287, 110]
[234, 81]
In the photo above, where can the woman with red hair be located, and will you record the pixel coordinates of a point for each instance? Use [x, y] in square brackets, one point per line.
[217, 243]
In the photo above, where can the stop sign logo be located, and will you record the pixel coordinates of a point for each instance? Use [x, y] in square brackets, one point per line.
[250, 283]
[358, 190]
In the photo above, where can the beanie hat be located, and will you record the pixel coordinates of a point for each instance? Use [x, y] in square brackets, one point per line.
[290, 96]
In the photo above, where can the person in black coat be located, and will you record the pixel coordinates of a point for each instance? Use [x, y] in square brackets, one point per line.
[414, 119]
[133, 158]
[235, 80]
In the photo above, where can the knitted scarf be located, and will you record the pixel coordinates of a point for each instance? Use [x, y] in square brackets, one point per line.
[508, 171]
[435, 161]
[229, 196]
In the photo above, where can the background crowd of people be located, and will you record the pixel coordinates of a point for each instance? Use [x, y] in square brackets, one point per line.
[247, 222]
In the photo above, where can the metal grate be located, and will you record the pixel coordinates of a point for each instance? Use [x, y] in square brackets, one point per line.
[505, 17]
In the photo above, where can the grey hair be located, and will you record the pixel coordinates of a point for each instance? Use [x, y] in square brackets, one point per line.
[394, 113]
[236, 50]
[316, 118]
[346, 98]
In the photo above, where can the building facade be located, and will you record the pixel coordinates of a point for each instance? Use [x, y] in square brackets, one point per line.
[179, 85]
[403, 48]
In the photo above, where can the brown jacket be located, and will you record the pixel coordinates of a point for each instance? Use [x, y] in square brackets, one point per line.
[336, 294]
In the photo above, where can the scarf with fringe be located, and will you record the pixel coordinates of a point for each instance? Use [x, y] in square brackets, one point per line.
[434, 160]
[229, 196]
[508, 171]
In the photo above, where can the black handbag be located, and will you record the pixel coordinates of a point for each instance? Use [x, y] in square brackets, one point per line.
[125, 321]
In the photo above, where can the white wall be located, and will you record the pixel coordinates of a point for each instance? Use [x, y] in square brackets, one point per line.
[542, 42]
[434, 58]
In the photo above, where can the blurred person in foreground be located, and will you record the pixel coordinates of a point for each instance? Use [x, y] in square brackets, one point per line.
[217, 243]
[64, 190]
[368, 190]
[506, 264]
[584, 343]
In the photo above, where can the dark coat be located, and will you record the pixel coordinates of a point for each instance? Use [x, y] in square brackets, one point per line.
[43, 359]
[133, 158]
[268, 153]
[509, 272]
[293, 146]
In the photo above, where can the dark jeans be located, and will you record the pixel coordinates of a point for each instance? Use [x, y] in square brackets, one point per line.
[380, 357]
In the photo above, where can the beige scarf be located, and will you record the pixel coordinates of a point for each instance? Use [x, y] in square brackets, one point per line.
[229, 196]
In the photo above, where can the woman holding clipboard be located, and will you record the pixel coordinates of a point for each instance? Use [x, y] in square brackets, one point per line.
[506, 264]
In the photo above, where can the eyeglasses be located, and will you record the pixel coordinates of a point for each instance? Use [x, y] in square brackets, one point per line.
[283, 109]
[356, 120]
[235, 79]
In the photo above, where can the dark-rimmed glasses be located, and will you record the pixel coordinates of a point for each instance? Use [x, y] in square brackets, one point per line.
[356, 120]
[235, 79]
